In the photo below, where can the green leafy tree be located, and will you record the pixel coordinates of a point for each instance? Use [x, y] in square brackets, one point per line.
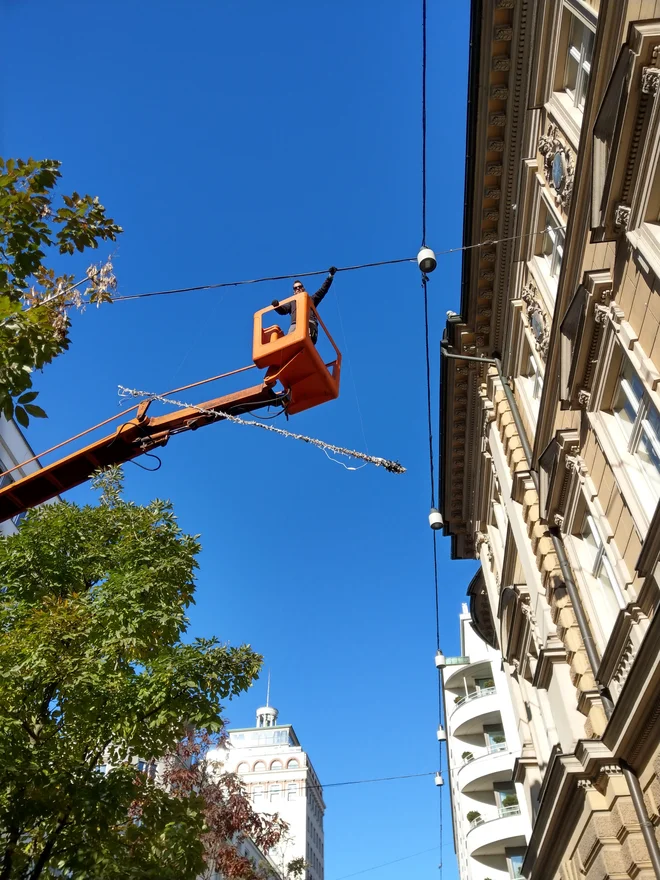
[94, 671]
[36, 224]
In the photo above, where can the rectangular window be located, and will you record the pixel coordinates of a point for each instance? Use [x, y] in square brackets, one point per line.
[292, 791]
[275, 792]
[639, 422]
[578, 61]
[515, 861]
[552, 246]
[608, 598]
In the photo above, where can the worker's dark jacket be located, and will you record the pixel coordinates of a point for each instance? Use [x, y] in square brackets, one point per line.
[290, 309]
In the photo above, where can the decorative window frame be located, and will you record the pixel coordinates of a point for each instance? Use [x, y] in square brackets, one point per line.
[566, 494]
[620, 341]
[525, 344]
[552, 48]
[580, 336]
[582, 499]
[536, 263]
[626, 153]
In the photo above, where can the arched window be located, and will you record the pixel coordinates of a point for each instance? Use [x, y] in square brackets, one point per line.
[260, 765]
[293, 764]
[243, 767]
[276, 765]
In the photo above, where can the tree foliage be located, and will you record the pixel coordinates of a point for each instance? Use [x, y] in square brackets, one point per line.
[94, 671]
[34, 301]
[191, 772]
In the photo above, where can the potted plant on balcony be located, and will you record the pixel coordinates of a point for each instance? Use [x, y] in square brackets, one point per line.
[458, 699]
[511, 800]
[498, 738]
[489, 683]
[473, 815]
[467, 756]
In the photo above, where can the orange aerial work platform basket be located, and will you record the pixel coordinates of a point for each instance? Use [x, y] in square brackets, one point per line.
[293, 359]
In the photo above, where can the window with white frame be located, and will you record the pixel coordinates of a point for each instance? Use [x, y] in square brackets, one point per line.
[639, 424]
[551, 247]
[257, 793]
[530, 382]
[292, 791]
[577, 62]
[275, 792]
[607, 597]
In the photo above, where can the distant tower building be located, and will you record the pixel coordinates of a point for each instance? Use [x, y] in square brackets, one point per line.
[280, 779]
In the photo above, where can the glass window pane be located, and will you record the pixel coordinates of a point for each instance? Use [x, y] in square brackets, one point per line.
[516, 863]
[591, 541]
[572, 67]
[647, 451]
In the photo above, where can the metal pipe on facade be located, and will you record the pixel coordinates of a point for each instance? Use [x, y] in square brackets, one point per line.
[634, 787]
[647, 828]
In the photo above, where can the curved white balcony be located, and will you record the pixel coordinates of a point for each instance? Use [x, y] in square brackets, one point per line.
[473, 711]
[477, 669]
[479, 773]
[490, 834]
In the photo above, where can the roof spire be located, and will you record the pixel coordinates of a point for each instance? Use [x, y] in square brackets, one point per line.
[268, 691]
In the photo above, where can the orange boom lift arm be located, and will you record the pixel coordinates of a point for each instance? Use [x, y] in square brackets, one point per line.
[290, 359]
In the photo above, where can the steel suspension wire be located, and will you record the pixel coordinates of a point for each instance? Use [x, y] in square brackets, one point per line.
[423, 123]
[428, 396]
[260, 280]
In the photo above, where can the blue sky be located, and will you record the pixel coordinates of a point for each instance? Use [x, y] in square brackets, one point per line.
[237, 139]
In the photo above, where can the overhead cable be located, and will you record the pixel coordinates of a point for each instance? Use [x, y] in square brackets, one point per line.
[385, 864]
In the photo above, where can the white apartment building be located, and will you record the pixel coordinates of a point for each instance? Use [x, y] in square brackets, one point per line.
[280, 778]
[14, 449]
[490, 817]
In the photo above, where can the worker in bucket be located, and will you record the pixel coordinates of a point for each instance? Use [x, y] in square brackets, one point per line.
[290, 307]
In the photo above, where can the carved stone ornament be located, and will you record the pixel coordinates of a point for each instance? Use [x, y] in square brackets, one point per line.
[485, 294]
[499, 92]
[585, 785]
[558, 520]
[622, 216]
[494, 169]
[584, 397]
[493, 192]
[504, 4]
[501, 62]
[487, 274]
[488, 257]
[497, 119]
[503, 33]
[496, 145]
[489, 236]
[601, 314]
[538, 320]
[650, 80]
[558, 165]
[491, 215]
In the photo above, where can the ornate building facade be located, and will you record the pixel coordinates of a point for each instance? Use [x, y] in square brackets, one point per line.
[550, 413]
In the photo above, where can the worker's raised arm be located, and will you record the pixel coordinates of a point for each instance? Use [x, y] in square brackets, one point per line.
[325, 287]
[281, 310]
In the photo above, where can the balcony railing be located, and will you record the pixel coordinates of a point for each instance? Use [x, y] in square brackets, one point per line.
[502, 813]
[483, 692]
[457, 661]
[494, 747]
